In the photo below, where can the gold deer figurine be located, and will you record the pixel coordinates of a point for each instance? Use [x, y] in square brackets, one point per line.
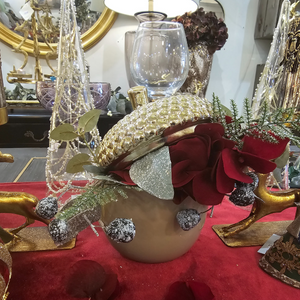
[266, 202]
[19, 203]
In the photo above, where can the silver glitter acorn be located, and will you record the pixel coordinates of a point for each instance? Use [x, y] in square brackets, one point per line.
[47, 208]
[252, 186]
[242, 197]
[188, 218]
[121, 230]
[59, 231]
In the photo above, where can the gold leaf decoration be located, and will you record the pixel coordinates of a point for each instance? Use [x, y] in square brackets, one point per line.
[89, 120]
[76, 163]
[64, 132]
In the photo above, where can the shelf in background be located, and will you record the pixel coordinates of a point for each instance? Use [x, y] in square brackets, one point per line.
[28, 126]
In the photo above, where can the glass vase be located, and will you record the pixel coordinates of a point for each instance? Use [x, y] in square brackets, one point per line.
[200, 62]
[159, 59]
[130, 36]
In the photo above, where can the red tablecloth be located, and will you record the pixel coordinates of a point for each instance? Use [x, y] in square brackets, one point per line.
[231, 273]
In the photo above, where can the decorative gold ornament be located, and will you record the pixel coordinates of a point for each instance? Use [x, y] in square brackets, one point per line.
[22, 204]
[36, 24]
[89, 39]
[266, 202]
[7, 260]
[138, 96]
[6, 157]
[150, 127]
[3, 115]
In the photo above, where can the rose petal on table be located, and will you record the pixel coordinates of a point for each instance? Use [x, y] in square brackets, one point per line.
[85, 278]
[109, 290]
[179, 291]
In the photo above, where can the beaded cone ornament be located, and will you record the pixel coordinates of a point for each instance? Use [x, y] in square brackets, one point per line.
[72, 100]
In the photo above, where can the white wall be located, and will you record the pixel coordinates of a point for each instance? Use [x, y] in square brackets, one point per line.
[234, 66]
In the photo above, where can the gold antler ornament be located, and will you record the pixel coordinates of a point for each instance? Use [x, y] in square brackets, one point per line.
[266, 202]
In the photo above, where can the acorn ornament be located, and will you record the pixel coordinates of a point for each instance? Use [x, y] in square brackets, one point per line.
[242, 197]
[47, 208]
[252, 186]
[188, 218]
[59, 231]
[121, 230]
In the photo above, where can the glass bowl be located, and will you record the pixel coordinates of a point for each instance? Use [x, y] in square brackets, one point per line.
[100, 91]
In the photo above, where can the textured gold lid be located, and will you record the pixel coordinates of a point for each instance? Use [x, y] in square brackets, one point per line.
[150, 127]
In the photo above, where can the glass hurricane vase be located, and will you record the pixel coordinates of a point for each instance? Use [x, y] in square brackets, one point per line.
[159, 58]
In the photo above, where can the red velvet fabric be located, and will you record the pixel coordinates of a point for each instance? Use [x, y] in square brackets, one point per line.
[231, 273]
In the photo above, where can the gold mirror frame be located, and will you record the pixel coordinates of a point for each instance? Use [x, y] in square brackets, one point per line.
[89, 38]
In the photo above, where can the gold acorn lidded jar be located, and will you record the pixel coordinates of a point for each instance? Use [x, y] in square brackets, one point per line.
[143, 216]
[140, 141]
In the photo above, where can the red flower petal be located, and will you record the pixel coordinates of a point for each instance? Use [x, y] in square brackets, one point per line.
[195, 149]
[260, 165]
[109, 290]
[213, 129]
[204, 189]
[224, 184]
[179, 291]
[233, 167]
[190, 290]
[264, 149]
[201, 290]
[85, 278]
[182, 173]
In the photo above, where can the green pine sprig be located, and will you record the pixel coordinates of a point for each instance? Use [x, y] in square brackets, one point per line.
[282, 122]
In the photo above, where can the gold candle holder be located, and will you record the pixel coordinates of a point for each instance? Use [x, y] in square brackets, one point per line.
[3, 115]
[3, 109]
[138, 96]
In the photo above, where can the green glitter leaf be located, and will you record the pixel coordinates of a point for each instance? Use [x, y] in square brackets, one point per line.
[64, 132]
[107, 178]
[77, 162]
[98, 170]
[89, 120]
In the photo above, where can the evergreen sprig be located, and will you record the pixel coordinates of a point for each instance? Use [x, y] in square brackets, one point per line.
[280, 123]
[98, 195]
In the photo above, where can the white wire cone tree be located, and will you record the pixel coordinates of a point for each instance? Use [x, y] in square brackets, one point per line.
[72, 100]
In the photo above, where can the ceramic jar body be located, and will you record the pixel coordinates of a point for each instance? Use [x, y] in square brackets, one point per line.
[159, 237]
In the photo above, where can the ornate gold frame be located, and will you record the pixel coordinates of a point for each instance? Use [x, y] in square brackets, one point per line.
[89, 38]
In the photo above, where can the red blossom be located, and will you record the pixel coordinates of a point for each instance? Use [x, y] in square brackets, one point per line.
[205, 166]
